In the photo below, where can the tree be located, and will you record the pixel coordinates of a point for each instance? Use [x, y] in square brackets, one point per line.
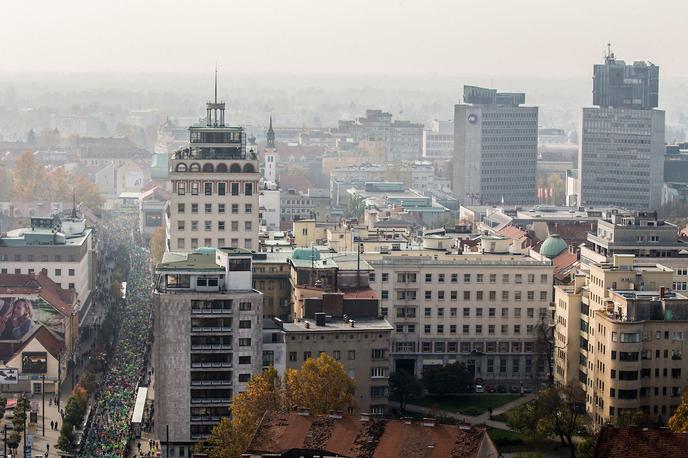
[59, 185]
[157, 245]
[66, 441]
[355, 207]
[321, 385]
[556, 411]
[13, 440]
[679, 420]
[87, 192]
[404, 386]
[88, 380]
[452, 378]
[6, 187]
[76, 406]
[544, 350]
[3, 405]
[31, 137]
[635, 418]
[19, 419]
[231, 437]
[29, 178]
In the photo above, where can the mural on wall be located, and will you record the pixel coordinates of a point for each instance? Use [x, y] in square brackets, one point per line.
[19, 314]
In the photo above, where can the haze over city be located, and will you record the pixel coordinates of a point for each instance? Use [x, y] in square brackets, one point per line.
[343, 229]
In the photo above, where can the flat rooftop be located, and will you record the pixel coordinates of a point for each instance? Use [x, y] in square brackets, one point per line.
[363, 324]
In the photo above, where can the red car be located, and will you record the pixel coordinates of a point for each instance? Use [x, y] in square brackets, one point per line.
[490, 389]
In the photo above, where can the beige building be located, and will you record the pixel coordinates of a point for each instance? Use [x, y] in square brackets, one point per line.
[619, 332]
[214, 200]
[271, 277]
[360, 345]
[478, 308]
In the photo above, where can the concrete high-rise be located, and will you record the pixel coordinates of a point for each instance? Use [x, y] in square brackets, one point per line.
[495, 147]
[621, 140]
[214, 200]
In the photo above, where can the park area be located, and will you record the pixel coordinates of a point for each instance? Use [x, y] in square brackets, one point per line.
[466, 404]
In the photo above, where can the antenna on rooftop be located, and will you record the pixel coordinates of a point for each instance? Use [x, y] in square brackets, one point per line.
[215, 82]
[74, 203]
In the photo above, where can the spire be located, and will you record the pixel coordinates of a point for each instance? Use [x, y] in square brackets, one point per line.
[215, 110]
[271, 135]
[215, 82]
[74, 203]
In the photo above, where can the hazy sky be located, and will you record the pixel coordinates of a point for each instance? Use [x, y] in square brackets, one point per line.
[499, 37]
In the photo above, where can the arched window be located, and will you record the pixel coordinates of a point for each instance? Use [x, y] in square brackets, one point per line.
[248, 168]
[208, 168]
[221, 168]
[235, 168]
[181, 167]
[195, 167]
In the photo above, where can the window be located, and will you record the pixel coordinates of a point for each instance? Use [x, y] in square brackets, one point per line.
[292, 356]
[244, 324]
[235, 209]
[518, 278]
[428, 311]
[531, 278]
[377, 372]
[440, 329]
[428, 278]
[543, 278]
[428, 295]
[440, 295]
[194, 188]
[493, 278]
[180, 225]
[531, 295]
[466, 278]
[454, 295]
[427, 329]
[248, 189]
[479, 312]
[337, 355]
[478, 328]
[208, 189]
[194, 208]
[466, 295]
[222, 188]
[479, 278]
[352, 355]
[208, 208]
[71, 272]
[180, 208]
[505, 312]
[58, 272]
[244, 360]
[385, 277]
[248, 225]
[235, 189]
[244, 342]
[220, 225]
[543, 295]
[452, 329]
[306, 355]
[530, 312]
[505, 278]
[466, 312]
[235, 225]
[248, 208]
[440, 278]
[208, 225]
[491, 311]
[384, 294]
[181, 188]
[454, 278]
[452, 311]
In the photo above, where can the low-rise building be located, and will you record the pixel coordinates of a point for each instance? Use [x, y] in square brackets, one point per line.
[271, 272]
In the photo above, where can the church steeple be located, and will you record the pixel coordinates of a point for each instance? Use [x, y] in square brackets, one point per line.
[271, 135]
[215, 110]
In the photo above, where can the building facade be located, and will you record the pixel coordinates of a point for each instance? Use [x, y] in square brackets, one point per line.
[214, 201]
[208, 339]
[621, 139]
[438, 141]
[495, 148]
[619, 333]
[479, 309]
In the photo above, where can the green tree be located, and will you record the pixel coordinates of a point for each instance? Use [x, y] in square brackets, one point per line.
[355, 207]
[20, 409]
[452, 378]
[76, 406]
[404, 386]
[66, 441]
[13, 440]
[555, 411]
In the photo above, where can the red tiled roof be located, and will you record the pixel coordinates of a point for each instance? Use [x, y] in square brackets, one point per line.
[512, 232]
[361, 293]
[563, 263]
[633, 442]
[376, 438]
[52, 344]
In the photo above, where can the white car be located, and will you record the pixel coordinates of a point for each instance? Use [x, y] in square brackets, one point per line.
[479, 389]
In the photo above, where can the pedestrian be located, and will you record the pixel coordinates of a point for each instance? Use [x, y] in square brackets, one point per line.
[55, 426]
[52, 425]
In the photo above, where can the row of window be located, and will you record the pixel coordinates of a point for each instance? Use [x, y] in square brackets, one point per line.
[208, 188]
[208, 242]
[376, 354]
[411, 277]
[410, 295]
[208, 225]
[32, 258]
[466, 329]
[210, 168]
[181, 208]
[410, 312]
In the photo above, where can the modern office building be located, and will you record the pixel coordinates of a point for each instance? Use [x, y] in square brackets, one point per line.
[214, 199]
[619, 331]
[495, 148]
[208, 339]
[64, 247]
[621, 139]
[405, 142]
[675, 188]
[478, 308]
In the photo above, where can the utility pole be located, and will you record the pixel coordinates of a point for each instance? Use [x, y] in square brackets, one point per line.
[43, 395]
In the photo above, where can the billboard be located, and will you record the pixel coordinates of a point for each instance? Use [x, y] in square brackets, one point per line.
[19, 314]
[9, 375]
[34, 362]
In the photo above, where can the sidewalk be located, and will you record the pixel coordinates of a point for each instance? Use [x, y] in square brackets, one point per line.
[480, 419]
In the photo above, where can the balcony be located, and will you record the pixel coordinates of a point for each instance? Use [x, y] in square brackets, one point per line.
[211, 329]
[214, 401]
[205, 418]
[210, 347]
[212, 383]
[211, 365]
[211, 312]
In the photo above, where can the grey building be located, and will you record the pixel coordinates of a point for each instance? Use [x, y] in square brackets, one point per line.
[495, 147]
[405, 142]
[208, 340]
[621, 140]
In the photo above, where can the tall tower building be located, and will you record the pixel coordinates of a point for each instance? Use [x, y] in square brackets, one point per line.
[495, 147]
[214, 200]
[621, 139]
[270, 157]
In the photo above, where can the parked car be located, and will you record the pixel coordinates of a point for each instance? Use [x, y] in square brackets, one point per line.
[514, 389]
[490, 389]
[502, 389]
[527, 389]
[479, 389]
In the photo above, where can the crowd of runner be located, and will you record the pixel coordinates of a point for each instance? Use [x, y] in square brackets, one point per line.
[109, 428]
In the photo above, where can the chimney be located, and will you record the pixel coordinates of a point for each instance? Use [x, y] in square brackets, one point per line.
[661, 292]
[320, 319]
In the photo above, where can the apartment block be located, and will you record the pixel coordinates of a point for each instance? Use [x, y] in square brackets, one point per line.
[480, 308]
[619, 332]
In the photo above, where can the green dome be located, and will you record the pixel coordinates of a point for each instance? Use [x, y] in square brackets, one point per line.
[305, 254]
[553, 246]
